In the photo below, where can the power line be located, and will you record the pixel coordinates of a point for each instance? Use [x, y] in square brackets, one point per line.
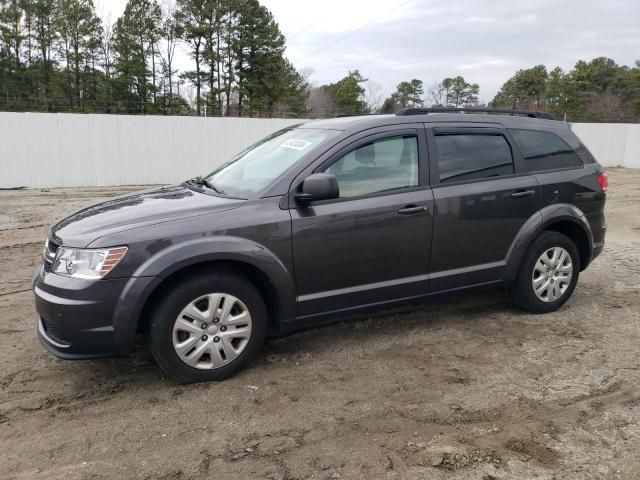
[353, 32]
[308, 27]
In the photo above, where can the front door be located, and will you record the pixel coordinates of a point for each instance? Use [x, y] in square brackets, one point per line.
[372, 244]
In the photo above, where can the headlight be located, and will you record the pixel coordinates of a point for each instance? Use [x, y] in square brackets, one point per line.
[82, 263]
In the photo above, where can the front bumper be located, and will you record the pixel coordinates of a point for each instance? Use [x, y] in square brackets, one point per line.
[81, 319]
[63, 350]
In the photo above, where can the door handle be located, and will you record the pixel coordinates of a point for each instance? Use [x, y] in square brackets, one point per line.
[412, 210]
[523, 193]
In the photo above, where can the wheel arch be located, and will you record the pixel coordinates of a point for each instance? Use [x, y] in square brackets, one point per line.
[257, 277]
[255, 262]
[578, 236]
[563, 218]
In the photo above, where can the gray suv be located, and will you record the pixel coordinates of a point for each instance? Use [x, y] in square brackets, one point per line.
[319, 221]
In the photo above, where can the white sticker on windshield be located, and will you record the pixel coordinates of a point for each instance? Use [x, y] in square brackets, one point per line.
[294, 144]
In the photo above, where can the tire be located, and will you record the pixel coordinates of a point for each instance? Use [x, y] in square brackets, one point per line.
[172, 330]
[532, 272]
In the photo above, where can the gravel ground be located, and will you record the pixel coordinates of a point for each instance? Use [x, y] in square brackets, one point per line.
[465, 387]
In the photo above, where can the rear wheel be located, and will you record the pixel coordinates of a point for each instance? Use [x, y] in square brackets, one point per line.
[207, 327]
[548, 274]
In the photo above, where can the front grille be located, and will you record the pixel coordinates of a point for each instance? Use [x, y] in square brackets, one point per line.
[54, 331]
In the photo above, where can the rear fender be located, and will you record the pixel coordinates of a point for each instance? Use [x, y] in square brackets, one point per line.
[536, 224]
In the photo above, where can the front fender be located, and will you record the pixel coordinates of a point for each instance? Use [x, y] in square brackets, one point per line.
[536, 224]
[191, 252]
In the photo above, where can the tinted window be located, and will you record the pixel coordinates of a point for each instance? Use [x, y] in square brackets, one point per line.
[386, 164]
[544, 150]
[467, 157]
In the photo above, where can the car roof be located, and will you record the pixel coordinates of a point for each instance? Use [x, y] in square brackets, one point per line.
[363, 122]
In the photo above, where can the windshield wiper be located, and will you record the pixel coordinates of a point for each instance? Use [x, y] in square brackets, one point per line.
[204, 182]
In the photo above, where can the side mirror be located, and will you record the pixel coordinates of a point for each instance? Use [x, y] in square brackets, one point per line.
[318, 186]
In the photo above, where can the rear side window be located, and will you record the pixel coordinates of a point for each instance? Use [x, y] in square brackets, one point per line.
[544, 150]
[473, 156]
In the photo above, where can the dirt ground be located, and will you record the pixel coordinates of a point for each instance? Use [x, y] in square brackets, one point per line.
[465, 387]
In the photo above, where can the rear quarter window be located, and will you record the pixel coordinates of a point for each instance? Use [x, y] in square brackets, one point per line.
[544, 150]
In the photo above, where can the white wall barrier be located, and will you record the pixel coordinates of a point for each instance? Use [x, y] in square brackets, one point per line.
[68, 150]
[613, 144]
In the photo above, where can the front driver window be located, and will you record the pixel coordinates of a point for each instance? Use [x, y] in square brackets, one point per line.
[382, 165]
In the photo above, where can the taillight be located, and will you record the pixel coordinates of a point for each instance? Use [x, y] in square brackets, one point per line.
[603, 180]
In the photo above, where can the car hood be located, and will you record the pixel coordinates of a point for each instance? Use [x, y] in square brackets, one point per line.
[136, 210]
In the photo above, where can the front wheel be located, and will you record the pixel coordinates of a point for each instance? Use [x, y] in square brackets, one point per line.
[548, 274]
[207, 327]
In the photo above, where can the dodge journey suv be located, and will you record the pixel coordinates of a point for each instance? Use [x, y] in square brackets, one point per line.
[319, 221]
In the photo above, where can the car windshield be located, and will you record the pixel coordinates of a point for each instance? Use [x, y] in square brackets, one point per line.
[257, 167]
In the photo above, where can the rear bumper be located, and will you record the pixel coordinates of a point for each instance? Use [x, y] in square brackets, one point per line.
[82, 319]
[598, 226]
[598, 242]
[597, 250]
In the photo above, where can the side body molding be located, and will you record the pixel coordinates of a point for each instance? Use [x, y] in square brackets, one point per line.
[537, 223]
[191, 252]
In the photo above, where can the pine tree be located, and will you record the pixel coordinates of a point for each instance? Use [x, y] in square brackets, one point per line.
[44, 18]
[135, 45]
[262, 69]
[192, 16]
[78, 29]
[11, 37]
[407, 94]
[348, 94]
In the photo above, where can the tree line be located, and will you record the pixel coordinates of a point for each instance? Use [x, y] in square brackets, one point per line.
[598, 90]
[59, 56]
[355, 94]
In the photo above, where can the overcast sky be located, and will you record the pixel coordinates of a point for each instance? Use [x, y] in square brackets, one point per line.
[485, 41]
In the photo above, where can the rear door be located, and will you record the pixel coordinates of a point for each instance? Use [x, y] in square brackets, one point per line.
[482, 196]
[566, 172]
[373, 243]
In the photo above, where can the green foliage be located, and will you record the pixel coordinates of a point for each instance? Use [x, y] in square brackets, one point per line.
[55, 55]
[407, 94]
[238, 51]
[599, 90]
[347, 94]
[172, 105]
[78, 29]
[134, 44]
[12, 72]
[526, 89]
[261, 68]
[192, 18]
[458, 92]
[631, 87]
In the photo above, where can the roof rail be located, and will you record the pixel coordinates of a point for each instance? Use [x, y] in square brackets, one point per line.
[342, 115]
[426, 111]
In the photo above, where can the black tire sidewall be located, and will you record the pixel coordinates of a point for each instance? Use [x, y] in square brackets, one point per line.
[177, 296]
[523, 293]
